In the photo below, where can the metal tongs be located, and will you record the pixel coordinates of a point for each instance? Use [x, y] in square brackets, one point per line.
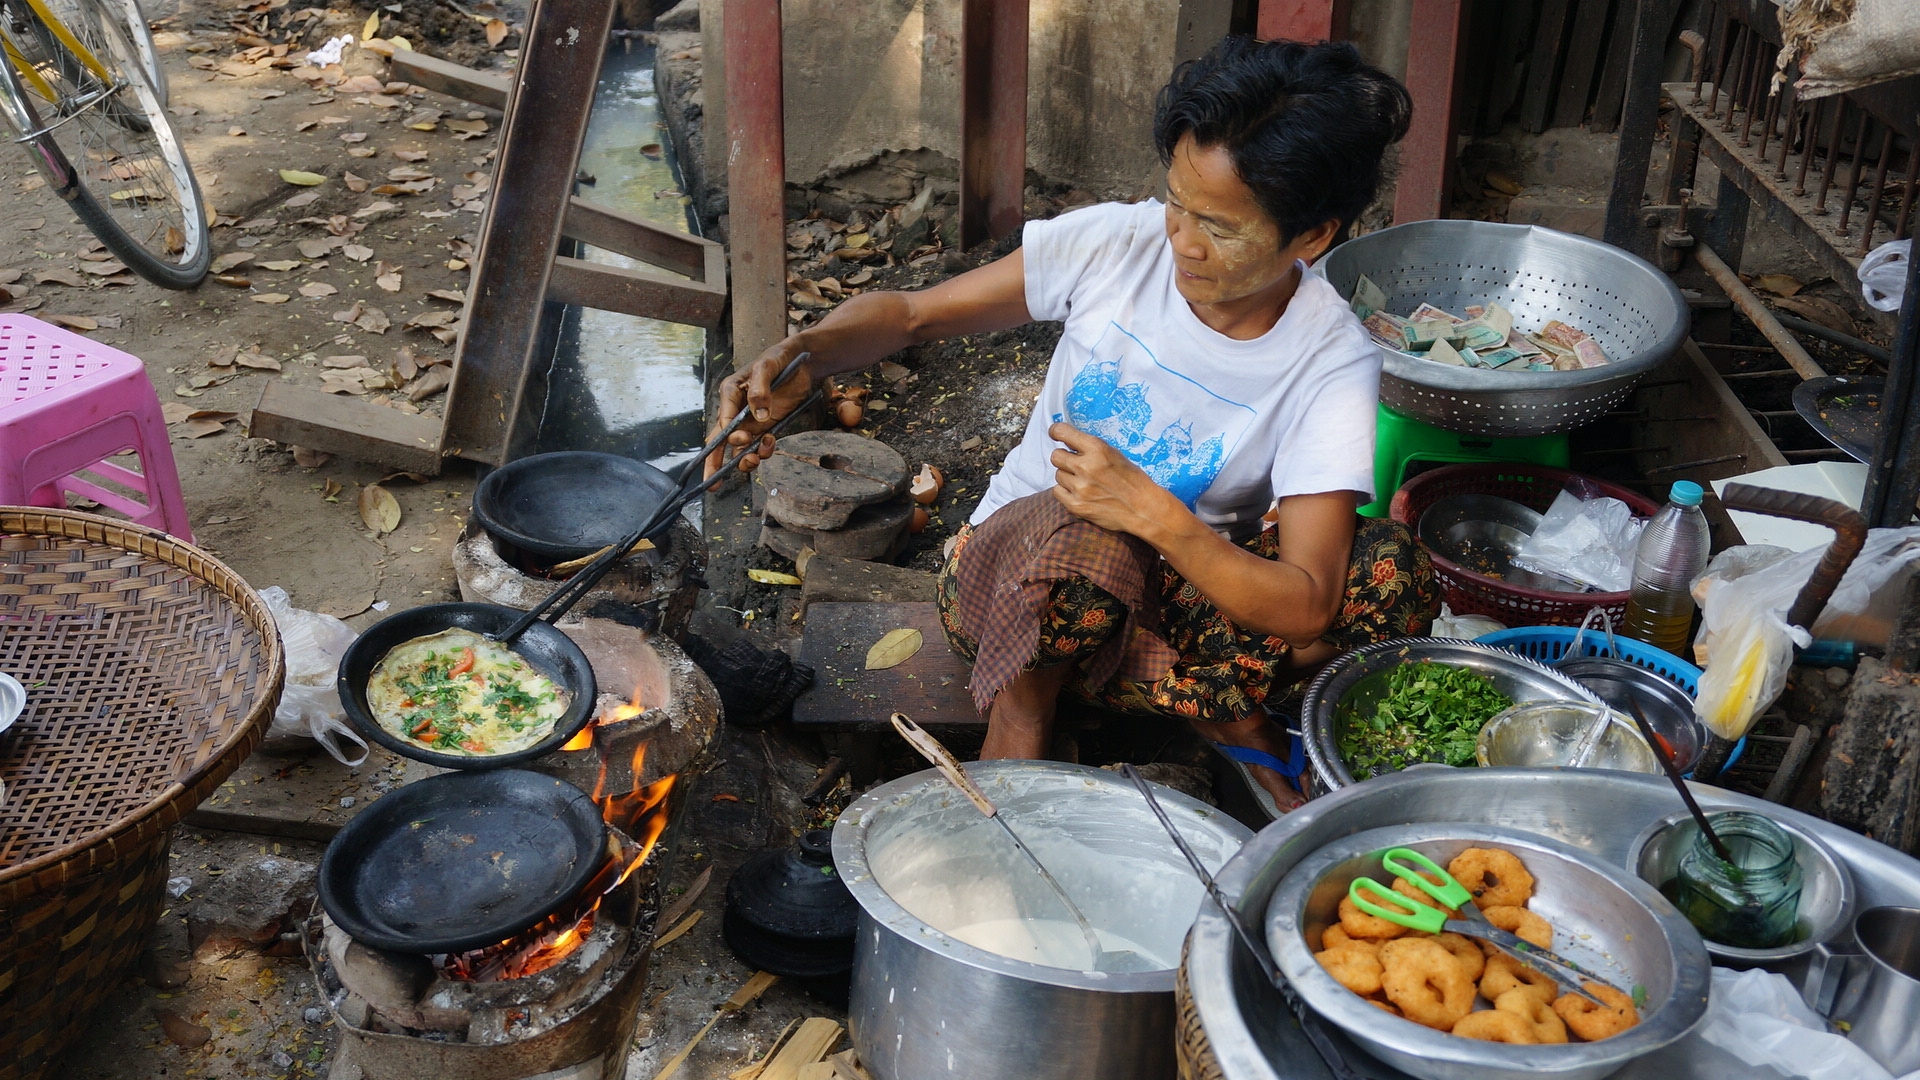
[1461, 915]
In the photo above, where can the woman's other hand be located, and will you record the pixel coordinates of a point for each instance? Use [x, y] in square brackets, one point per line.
[752, 389]
[1097, 483]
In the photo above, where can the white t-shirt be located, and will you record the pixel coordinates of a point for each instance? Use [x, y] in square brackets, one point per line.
[1227, 426]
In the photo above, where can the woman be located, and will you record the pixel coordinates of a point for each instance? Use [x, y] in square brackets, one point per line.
[1205, 379]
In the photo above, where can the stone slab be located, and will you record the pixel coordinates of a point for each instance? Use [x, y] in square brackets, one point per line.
[930, 687]
[817, 479]
[834, 580]
[873, 532]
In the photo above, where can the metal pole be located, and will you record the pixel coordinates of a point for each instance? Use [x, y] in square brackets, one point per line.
[1893, 476]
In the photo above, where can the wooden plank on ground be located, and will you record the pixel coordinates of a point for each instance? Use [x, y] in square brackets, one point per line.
[931, 686]
[479, 87]
[347, 426]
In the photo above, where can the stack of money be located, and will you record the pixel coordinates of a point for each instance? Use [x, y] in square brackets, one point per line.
[1485, 338]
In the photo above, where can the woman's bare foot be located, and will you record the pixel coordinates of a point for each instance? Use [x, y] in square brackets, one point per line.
[1257, 732]
[1020, 724]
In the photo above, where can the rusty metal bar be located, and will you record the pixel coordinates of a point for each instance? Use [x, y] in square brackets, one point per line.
[1853, 174]
[1832, 157]
[1766, 127]
[1901, 225]
[1750, 305]
[1754, 81]
[1879, 191]
[1716, 30]
[1740, 67]
[993, 119]
[1809, 139]
[756, 176]
[1789, 104]
[1433, 78]
[1730, 31]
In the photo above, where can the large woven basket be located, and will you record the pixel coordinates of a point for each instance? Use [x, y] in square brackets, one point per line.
[151, 672]
[1192, 1052]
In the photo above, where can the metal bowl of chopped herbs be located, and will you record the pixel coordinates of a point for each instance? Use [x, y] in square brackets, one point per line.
[1409, 701]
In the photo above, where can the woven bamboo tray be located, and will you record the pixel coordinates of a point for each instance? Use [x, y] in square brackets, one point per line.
[151, 671]
[1192, 1052]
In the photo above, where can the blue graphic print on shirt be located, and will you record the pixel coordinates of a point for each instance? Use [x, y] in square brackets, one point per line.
[1148, 411]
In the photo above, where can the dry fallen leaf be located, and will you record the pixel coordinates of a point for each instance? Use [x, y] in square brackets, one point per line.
[74, 322]
[895, 648]
[1819, 309]
[354, 183]
[387, 276]
[360, 151]
[174, 411]
[316, 249]
[236, 281]
[432, 381]
[103, 269]
[302, 179]
[454, 295]
[372, 28]
[496, 30]
[309, 458]
[373, 321]
[270, 298]
[410, 155]
[281, 265]
[427, 319]
[330, 489]
[775, 577]
[371, 209]
[893, 372]
[306, 125]
[1779, 284]
[379, 509]
[317, 288]
[58, 276]
[230, 261]
[305, 198]
[357, 252]
[353, 137]
[258, 361]
[200, 429]
[179, 1030]
[405, 173]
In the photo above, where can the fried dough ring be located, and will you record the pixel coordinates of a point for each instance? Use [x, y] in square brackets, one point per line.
[1386, 1006]
[1521, 923]
[1504, 973]
[1426, 982]
[1358, 969]
[1336, 937]
[1543, 1022]
[1407, 888]
[1493, 1025]
[1471, 959]
[1359, 924]
[1591, 1022]
[1495, 877]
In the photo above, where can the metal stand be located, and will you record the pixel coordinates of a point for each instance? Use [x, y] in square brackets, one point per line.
[1893, 477]
[520, 282]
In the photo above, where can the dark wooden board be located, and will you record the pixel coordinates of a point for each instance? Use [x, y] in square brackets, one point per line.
[347, 426]
[931, 687]
[465, 83]
[1583, 59]
[1610, 96]
[1543, 69]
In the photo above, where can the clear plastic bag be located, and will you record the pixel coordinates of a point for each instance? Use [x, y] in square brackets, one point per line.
[1589, 541]
[1465, 627]
[1758, 1017]
[309, 708]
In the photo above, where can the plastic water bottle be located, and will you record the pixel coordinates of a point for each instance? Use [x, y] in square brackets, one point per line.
[1673, 551]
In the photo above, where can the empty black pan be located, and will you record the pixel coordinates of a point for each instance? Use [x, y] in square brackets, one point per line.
[461, 860]
[548, 650]
[569, 504]
[1844, 410]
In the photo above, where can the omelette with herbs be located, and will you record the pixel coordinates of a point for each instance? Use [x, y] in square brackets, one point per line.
[456, 692]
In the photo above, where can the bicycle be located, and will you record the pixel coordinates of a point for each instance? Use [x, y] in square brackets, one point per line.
[76, 90]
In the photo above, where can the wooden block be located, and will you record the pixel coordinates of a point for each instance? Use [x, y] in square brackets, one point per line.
[930, 687]
[636, 292]
[347, 426]
[298, 797]
[815, 1039]
[819, 1070]
[610, 230]
[848, 1067]
[465, 83]
[833, 580]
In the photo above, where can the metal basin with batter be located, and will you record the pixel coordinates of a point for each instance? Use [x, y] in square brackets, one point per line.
[922, 861]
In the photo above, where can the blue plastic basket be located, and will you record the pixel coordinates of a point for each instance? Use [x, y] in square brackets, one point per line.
[1547, 644]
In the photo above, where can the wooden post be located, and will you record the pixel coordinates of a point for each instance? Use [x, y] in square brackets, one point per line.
[756, 176]
[1302, 20]
[993, 119]
[1426, 154]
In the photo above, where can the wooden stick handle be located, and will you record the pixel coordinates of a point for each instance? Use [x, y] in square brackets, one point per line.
[934, 751]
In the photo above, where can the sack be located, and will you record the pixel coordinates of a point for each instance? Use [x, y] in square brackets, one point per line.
[1883, 274]
[1844, 45]
[310, 708]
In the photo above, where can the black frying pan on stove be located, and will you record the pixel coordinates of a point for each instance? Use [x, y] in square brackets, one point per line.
[569, 504]
[461, 860]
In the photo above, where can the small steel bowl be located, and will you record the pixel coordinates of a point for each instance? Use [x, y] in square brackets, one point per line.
[13, 700]
[1482, 533]
[1827, 897]
[1620, 927]
[1669, 709]
[1358, 678]
[1545, 735]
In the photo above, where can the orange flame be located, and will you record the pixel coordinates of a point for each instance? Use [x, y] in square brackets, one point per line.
[582, 741]
[615, 715]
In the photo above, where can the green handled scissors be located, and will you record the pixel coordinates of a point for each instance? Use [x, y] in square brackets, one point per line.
[1460, 915]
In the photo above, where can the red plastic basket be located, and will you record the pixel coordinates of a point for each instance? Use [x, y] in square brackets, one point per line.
[1533, 486]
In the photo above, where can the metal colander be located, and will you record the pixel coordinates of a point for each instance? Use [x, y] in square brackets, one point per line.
[1630, 308]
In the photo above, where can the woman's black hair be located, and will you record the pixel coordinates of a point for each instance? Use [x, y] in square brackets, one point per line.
[1307, 126]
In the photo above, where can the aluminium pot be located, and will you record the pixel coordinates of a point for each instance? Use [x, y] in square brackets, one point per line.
[922, 861]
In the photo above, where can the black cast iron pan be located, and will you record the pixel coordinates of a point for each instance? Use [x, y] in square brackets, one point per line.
[460, 861]
[569, 504]
[549, 650]
[1844, 410]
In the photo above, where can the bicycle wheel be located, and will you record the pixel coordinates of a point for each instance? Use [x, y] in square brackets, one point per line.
[105, 144]
[133, 20]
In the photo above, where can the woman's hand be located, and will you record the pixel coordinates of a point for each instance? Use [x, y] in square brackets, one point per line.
[1097, 483]
[752, 388]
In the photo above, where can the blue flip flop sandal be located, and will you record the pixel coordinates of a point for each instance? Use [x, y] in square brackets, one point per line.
[1291, 767]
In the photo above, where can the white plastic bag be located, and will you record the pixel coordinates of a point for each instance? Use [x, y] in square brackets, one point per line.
[330, 52]
[1745, 644]
[1465, 627]
[310, 705]
[1587, 541]
[1758, 1017]
[1883, 274]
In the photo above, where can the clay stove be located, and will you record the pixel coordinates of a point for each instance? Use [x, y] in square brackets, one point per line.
[654, 588]
[560, 1001]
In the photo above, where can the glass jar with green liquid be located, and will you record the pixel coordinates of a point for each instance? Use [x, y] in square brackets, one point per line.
[1750, 902]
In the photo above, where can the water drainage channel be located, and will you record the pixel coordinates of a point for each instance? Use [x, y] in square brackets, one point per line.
[619, 383]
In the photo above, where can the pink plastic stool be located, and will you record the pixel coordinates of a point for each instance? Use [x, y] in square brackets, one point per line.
[68, 404]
